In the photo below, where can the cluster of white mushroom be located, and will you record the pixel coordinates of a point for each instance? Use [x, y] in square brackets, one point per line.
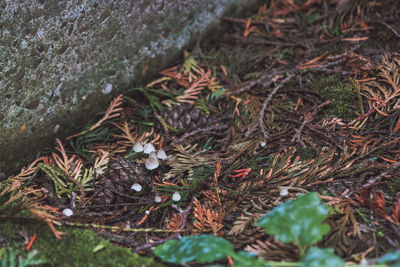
[176, 196]
[152, 162]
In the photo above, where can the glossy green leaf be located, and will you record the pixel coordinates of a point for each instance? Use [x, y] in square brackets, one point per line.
[246, 259]
[391, 258]
[321, 257]
[202, 248]
[298, 221]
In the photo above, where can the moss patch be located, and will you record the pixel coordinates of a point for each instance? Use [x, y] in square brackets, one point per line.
[331, 88]
[80, 247]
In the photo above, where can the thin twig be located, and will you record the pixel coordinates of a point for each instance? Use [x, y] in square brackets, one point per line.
[296, 137]
[251, 130]
[364, 116]
[390, 28]
[184, 214]
[176, 235]
[265, 77]
[308, 118]
[117, 228]
[343, 72]
[381, 176]
[261, 41]
[324, 66]
[197, 131]
[265, 104]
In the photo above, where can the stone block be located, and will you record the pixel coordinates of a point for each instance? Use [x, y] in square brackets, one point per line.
[62, 61]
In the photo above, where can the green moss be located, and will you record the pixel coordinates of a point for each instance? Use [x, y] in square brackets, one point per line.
[393, 186]
[80, 247]
[8, 230]
[331, 88]
[84, 248]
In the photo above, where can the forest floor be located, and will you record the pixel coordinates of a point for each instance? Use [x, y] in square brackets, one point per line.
[300, 97]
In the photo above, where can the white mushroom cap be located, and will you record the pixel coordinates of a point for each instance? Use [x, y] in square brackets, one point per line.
[56, 128]
[157, 199]
[176, 197]
[148, 148]
[67, 212]
[161, 154]
[153, 155]
[137, 187]
[284, 191]
[151, 163]
[138, 147]
[263, 144]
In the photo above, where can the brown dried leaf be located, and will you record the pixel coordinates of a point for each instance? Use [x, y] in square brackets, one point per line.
[239, 225]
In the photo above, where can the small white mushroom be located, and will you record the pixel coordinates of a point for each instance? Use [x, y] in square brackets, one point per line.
[137, 187]
[148, 148]
[147, 212]
[107, 89]
[176, 197]
[153, 155]
[284, 192]
[151, 163]
[56, 128]
[161, 154]
[263, 144]
[67, 212]
[157, 199]
[138, 147]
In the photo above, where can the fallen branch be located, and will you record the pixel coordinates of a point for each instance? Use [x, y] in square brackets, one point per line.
[308, 118]
[265, 104]
[265, 77]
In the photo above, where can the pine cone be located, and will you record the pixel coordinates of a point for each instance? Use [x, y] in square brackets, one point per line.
[114, 186]
[186, 117]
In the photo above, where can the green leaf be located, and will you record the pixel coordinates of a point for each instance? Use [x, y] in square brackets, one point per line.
[102, 244]
[202, 248]
[246, 259]
[298, 221]
[11, 259]
[391, 258]
[30, 259]
[321, 257]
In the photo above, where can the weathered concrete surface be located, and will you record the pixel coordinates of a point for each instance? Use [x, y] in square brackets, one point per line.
[62, 61]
